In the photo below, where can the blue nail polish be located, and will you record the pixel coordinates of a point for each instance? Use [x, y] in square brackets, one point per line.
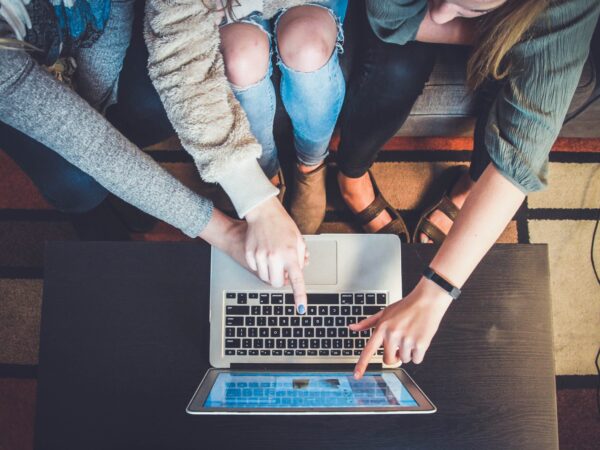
[301, 309]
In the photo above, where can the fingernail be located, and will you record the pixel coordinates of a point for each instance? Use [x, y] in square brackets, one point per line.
[356, 375]
[301, 309]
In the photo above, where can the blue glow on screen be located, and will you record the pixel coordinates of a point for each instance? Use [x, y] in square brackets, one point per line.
[307, 390]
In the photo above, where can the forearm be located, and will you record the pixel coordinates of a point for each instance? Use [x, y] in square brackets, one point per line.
[458, 31]
[488, 209]
[37, 105]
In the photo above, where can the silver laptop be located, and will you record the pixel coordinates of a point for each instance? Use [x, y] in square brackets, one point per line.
[349, 278]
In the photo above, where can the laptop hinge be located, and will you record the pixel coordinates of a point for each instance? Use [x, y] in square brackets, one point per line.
[302, 367]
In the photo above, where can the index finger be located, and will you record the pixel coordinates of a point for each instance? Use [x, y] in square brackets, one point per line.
[297, 282]
[370, 349]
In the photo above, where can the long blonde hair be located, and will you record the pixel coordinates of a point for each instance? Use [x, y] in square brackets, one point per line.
[500, 31]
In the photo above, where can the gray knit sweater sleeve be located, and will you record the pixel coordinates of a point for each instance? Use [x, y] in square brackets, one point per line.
[35, 104]
[528, 114]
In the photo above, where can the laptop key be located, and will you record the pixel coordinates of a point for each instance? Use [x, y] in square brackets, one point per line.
[232, 343]
[357, 352]
[323, 299]
[309, 332]
[334, 310]
[359, 343]
[295, 321]
[265, 352]
[300, 352]
[272, 321]
[242, 299]
[370, 310]
[276, 352]
[237, 310]
[253, 295]
[246, 343]
[258, 343]
[337, 343]
[267, 310]
[370, 299]
[277, 299]
[264, 299]
[280, 343]
[289, 299]
[253, 352]
[323, 310]
[297, 332]
[343, 332]
[229, 352]
[292, 343]
[314, 343]
[269, 343]
[328, 321]
[288, 352]
[234, 321]
[306, 321]
[340, 321]
[336, 352]
[250, 321]
[275, 332]
[242, 352]
[326, 343]
[289, 310]
[255, 310]
[356, 310]
[331, 332]
[365, 333]
[347, 352]
[311, 352]
[381, 299]
[348, 343]
[278, 310]
[350, 320]
[320, 332]
[345, 310]
[253, 332]
[230, 295]
[380, 351]
[347, 299]
[318, 321]
[286, 332]
[303, 343]
[241, 332]
[284, 321]
[323, 352]
[230, 332]
[261, 321]
[263, 332]
[312, 310]
[359, 299]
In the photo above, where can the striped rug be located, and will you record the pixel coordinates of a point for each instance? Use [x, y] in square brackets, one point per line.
[563, 216]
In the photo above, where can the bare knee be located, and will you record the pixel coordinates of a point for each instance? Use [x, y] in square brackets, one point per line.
[306, 38]
[245, 50]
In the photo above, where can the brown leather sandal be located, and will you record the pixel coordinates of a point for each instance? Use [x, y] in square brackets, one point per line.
[445, 205]
[397, 226]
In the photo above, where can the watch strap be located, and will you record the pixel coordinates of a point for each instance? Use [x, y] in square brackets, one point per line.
[432, 275]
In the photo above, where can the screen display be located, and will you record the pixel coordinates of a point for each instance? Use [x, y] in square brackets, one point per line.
[307, 390]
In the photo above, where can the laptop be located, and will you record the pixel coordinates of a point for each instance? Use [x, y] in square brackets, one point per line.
[267, 359]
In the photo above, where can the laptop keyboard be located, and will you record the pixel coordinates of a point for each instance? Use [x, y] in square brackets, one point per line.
[266, 324]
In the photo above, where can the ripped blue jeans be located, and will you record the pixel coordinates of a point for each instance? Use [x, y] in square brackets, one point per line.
[313, 100]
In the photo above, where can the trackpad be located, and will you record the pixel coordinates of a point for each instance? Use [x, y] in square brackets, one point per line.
[322, 269]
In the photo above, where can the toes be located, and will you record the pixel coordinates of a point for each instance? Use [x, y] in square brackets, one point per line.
[424, 239]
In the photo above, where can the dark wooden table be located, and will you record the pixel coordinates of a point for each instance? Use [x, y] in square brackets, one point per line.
[124, 343]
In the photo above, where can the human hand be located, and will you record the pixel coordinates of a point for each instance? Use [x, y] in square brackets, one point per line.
[275, 249]
[405, 328]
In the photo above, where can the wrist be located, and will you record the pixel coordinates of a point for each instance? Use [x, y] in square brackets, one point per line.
[434, 294]
[263, 209]
[219, 229]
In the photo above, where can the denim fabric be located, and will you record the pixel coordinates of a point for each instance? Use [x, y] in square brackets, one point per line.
[313, 100]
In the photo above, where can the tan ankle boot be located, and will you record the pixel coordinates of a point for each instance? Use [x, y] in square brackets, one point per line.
[309, 201]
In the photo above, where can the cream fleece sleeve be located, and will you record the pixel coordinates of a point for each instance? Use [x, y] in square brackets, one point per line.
[186, 67]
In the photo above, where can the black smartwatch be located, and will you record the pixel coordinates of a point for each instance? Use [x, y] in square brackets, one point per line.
[453, 291]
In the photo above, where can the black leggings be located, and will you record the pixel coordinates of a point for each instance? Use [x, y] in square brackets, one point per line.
[385, 82]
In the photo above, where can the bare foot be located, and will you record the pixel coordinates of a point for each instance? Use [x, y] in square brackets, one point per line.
[276, 181]
[358, 193]
[458, 195]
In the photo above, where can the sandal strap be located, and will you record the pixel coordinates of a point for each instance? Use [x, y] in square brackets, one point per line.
[397, 227]
[432, 231]
[372, 211]
[448, 208]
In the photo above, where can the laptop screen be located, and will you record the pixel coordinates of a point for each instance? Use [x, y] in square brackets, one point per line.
[307, 390]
